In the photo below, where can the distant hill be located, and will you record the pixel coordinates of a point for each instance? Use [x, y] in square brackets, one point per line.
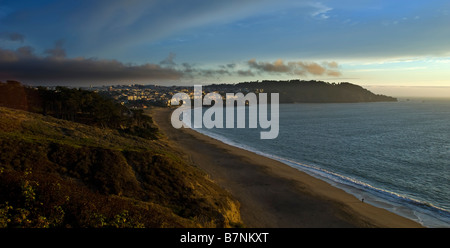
[298, 91]
[59, 173]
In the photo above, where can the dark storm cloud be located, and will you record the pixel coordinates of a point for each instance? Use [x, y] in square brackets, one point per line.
[23, 64]
[54, 67]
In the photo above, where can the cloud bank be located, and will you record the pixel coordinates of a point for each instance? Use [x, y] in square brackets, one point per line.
[55, 68]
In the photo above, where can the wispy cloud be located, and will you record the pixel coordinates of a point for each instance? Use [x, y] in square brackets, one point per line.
[129, 23]
[296, 68]
[320, 10]
[276, 67]
[170, 60]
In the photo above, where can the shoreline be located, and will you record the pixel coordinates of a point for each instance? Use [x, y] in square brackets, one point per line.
[271, 193]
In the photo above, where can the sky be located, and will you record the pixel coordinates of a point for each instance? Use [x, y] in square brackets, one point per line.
[400, 47]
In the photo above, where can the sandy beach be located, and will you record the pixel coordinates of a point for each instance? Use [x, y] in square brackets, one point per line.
[271, 193]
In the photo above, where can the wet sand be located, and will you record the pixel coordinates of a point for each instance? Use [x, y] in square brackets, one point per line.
[271, 193]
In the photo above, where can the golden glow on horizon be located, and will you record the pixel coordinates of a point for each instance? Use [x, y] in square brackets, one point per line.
[410, 91]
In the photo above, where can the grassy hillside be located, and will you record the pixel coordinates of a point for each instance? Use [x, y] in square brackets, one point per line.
[58, 173]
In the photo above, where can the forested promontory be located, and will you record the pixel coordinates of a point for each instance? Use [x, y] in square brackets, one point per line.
[300, 91]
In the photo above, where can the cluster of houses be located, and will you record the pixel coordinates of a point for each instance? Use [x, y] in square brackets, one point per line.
[143, 96]
[139, 96]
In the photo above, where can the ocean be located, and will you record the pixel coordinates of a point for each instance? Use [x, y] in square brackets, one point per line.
[394, 155]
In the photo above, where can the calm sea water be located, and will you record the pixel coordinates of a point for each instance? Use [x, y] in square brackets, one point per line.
[394, 155]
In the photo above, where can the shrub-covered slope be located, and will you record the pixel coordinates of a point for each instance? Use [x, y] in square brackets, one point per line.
[58, 173]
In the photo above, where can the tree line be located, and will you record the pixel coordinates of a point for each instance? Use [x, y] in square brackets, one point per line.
[77, 105]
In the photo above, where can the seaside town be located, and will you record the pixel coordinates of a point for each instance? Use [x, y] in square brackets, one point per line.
[141, 96]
